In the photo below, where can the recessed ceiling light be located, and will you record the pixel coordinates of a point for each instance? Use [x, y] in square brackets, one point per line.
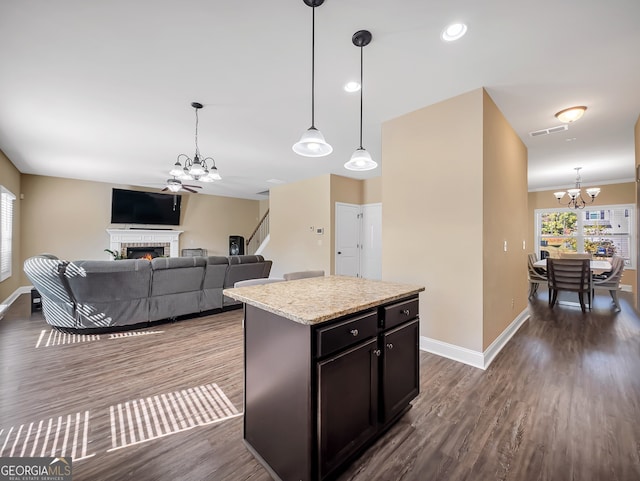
[571, 114]
[454, 32]
[352, 86]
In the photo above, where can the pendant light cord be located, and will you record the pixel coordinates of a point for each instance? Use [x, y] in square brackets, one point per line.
[197, 150]
[313, 63]
[361, 88]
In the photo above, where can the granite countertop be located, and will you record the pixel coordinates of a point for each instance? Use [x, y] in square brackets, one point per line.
[320, 299]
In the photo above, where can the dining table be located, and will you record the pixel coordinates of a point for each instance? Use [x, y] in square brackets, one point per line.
[597, 266]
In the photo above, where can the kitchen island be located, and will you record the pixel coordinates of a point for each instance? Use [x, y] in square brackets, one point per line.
[330, 364]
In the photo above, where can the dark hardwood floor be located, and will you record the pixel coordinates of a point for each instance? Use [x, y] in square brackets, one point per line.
[560, 402]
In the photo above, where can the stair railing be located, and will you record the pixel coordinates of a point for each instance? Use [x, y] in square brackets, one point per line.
[259, 234]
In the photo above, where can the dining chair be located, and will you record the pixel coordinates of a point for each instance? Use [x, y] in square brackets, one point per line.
[610, 280]
[291, 276]
[569, 275]
[257, 282]
[575, 255]
[536, 275]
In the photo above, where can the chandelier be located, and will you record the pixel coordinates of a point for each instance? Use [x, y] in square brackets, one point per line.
[576, 201]
[196, 168]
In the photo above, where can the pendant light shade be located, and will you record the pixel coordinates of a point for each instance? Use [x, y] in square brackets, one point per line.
[361, 159]
[312, 143]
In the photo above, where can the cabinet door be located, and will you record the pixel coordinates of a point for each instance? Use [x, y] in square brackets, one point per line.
[347, 403]
[400, 372]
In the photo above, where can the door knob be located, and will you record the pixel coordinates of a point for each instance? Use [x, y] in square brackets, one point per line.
[406, 312]
[354, 332]
[339, 252]
[377, 352]
[389, 346]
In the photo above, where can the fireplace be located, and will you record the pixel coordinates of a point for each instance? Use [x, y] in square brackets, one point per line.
[144, 252]
[121, 239]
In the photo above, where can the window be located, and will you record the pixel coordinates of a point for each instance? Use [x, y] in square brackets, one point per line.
[603, 231]
[6, 229]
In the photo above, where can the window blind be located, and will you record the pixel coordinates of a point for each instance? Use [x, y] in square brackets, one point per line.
[6, 231]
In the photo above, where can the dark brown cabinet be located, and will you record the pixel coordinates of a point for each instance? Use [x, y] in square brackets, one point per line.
[400, 375]
[317, 395]
[347, 404]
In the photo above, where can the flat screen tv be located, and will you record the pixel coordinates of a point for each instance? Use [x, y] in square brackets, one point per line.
[136, 207]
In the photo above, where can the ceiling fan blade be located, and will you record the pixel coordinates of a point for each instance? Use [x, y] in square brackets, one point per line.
[189, 190]
[192, 186]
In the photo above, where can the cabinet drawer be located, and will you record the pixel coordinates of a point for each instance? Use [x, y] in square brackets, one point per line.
[399, 312]
[346, 333]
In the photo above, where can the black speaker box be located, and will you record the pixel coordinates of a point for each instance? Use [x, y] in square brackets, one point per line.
[236, 245]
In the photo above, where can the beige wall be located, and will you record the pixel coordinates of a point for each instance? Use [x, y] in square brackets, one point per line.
[10, 178]
[504, 178]
[69, 218]
[372, 191]
[294, 209]
[624, 193]
[432, 214]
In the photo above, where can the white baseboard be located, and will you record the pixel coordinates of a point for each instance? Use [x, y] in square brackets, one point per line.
[481, 360]
[12, 298]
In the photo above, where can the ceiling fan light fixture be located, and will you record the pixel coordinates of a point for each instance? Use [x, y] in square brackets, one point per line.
[174, 185]
[571, 114]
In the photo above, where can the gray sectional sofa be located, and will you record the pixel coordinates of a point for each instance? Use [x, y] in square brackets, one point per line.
[106, 295]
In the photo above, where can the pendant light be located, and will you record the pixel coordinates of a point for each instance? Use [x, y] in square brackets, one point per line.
[312, 143]
[361, 159]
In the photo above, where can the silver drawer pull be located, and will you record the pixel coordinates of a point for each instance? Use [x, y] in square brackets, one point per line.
[354, 332]
[377, 352]
[389, 346]
[406, 312]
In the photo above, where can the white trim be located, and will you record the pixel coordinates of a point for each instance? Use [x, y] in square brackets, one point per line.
[451, 351]
[496, 346]
[264, 244]
[13, 297]
[481, 360]
[584, 184]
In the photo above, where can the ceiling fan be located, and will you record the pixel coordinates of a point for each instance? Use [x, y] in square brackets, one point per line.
[175, 185]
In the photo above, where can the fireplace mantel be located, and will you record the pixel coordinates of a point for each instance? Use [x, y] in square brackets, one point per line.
[144, 236]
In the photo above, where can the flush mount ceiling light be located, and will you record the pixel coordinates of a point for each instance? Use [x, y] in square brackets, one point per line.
[361, 159]
[196, 168]
[454, 32]
[571, 114]
[575, 196]
[312, 143]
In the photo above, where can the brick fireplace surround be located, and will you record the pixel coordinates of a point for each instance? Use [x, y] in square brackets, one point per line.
[120, 239]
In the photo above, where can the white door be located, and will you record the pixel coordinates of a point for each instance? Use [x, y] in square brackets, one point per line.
[347, 240]
[371, 241]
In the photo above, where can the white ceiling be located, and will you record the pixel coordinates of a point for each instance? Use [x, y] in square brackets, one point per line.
[102, 90]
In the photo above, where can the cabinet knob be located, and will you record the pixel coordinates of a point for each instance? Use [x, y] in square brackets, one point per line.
[377, 352]
[389, 346]
[354, 332]
[406, 312]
